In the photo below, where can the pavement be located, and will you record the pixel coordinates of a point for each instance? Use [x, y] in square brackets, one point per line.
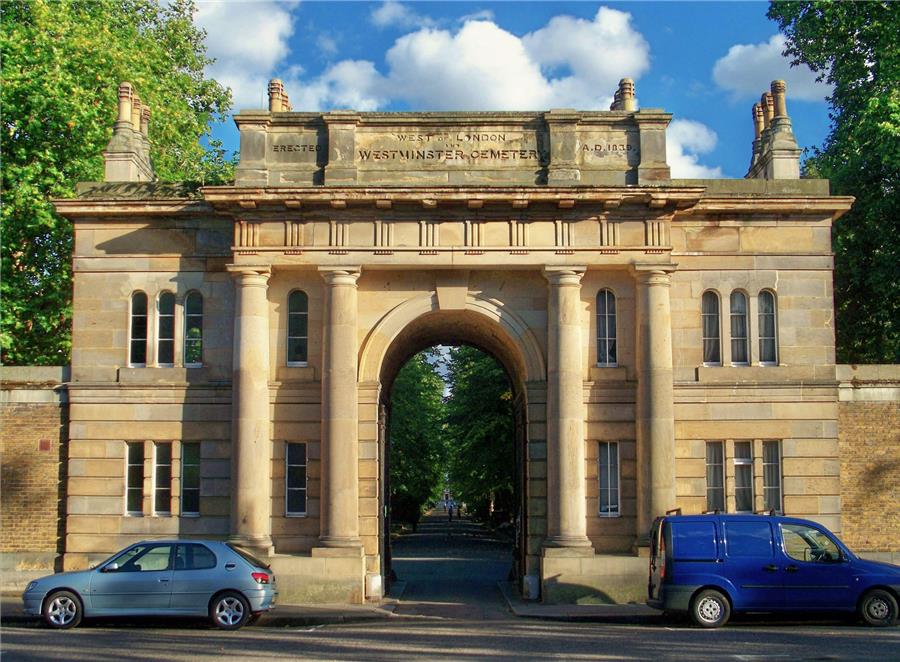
[446, 570]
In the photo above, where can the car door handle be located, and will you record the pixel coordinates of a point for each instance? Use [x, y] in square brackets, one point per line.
[230, 566]
[770, 568]
[163, 580]
[791, 568]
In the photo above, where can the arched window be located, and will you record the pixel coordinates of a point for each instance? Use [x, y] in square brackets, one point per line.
[297, 328]
[137, 355]
[165, 329]
[606, 328]
[712, 337]
[740, 349]
[768, 329]
[193, 330]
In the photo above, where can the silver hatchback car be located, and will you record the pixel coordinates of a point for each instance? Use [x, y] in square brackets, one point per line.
[160, 578]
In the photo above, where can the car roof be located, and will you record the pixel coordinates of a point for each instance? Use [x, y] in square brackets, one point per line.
[740, 517]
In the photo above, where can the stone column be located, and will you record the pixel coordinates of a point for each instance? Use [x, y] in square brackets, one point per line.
[251, 452]
[340, 416]
[566, 521]
[655, 407]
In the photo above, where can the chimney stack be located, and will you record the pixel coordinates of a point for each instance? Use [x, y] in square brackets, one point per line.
[127, 155]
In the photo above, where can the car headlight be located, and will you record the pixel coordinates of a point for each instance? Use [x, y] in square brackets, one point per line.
[31, 586]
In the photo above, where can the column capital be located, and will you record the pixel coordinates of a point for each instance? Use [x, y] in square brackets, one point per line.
[240, 272]
[340, 275]
[564, 275]
[654, 274]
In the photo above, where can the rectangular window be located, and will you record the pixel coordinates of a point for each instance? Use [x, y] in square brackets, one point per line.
[162, 478]
[190, 478]
[715, 476]
[609, 478]
[134, 478]
[772, 475]
[295, 479]
[743, 476]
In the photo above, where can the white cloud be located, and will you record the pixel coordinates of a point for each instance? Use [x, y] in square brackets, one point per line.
[392, 14]
[247, 40]
[348, 84]
[327, 44]
[748, 69]
[686, 140]
[569, 62]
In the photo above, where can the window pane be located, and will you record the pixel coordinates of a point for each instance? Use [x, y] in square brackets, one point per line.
[193, 305]
[710, 325]
[297, 325]
[138, 351]
[201, 558]
[296, 501]
[606, 328]
[166, 351]
[190, 501]
[135, 475]
[156, 559]
[739, 349]
[296, 453]
[297, 302]
[139, 303]
[296, 476]
[715, 476]
[136, 453]
[743, 487]
[164, 453]
[191, 453]
[609, 477]
[297, 348]
[139, 327]
[742, 450]
[166, 303]
[166, 327]
[135, 501]
[768, 344]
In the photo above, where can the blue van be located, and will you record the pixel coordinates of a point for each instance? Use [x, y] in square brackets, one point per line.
[714, 565]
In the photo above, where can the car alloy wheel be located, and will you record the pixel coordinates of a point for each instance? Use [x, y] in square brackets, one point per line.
[62, 610]
[229, 611]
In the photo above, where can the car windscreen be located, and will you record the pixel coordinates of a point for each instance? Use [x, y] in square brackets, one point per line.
[248, 557]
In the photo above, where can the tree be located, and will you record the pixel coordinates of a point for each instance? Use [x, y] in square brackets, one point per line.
[480, 432]
[415, 430]
[855, 47]
[62, 63]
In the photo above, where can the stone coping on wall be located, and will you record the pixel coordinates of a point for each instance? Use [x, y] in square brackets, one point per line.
[869, 383]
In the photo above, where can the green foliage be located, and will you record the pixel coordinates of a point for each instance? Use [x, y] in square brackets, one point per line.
[855, 46]
[480, 432]
[415, 430]
[62, 63]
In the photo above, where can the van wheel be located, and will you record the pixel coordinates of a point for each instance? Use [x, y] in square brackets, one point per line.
[710, 609]
[878, 608]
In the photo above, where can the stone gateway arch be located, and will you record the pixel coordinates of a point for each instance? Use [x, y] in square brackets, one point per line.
[669, 342]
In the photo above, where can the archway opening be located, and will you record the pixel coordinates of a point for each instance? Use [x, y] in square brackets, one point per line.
[453, 411]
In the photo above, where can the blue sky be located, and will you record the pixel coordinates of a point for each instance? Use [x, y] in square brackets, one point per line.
[705, 62]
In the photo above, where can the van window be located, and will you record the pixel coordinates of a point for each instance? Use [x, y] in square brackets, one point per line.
[805, 543]
[694, 541]
[748, 539]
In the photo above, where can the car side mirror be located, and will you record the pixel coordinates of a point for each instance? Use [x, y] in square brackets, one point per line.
[112, 567]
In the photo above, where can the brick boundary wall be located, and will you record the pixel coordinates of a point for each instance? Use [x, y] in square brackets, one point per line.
[869, 441]
[34, 456]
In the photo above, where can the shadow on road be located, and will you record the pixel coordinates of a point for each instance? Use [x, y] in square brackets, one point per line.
[451, 569]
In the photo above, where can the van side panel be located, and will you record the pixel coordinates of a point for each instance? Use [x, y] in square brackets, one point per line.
[751, 564]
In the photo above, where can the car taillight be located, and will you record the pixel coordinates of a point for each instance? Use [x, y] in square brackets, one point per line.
[260, 577]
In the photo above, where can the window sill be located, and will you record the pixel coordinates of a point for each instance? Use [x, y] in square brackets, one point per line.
[764, 373]
[296, 515]
[190, 515]
[609, 515]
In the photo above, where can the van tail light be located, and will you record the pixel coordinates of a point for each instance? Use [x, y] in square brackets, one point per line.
[260, 577]
[662, 556]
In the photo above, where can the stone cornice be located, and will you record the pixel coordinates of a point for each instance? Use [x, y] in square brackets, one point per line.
[241, 198]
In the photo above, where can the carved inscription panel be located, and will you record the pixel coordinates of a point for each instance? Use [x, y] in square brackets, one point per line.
[296, 148]
[443, 148]
[609, 150]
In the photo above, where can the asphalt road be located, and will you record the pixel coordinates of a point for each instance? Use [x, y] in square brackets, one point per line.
[451, 609]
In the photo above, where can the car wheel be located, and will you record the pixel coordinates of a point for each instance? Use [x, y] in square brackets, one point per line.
[878, 608]
[62, 610]
[710, 609]
[229, 610]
